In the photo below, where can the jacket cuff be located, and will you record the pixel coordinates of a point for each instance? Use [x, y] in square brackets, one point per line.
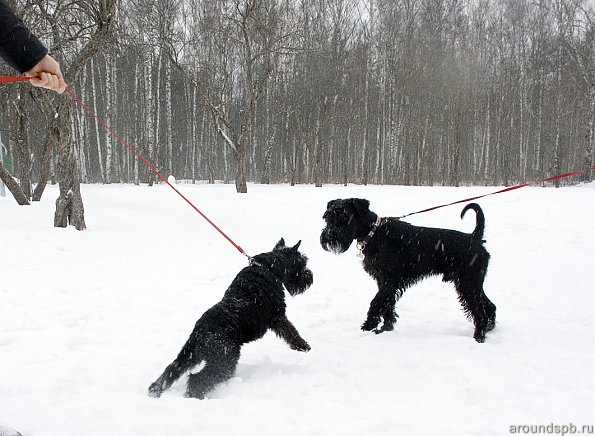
[18, 46]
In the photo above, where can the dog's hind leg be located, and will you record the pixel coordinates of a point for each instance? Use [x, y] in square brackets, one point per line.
[220, 366]
[490, 309]
[187, 358]
[472, 298]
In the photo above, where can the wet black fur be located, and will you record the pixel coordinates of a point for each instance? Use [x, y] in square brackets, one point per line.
[253, 304]
[400, 254]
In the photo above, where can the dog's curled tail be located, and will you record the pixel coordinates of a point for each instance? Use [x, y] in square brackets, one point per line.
[481, 222]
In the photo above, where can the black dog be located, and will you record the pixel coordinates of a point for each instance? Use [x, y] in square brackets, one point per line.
[253, 303]
[398, 254]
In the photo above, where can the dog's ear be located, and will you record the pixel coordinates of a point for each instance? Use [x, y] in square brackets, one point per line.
[331, 204]
[296, 246]
[280, 244]
[361, 206]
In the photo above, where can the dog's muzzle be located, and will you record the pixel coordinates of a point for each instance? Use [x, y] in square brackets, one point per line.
[331, 240]
[299, 283]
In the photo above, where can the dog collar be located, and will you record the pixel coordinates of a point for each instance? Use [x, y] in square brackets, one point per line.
[254, 262]
[362, 244]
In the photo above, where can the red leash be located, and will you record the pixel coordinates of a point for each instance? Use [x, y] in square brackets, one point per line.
[511, 188]
[155, 171]
[9, 79]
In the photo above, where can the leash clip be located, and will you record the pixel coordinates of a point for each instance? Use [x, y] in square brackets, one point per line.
[360, 251]
[253, 262]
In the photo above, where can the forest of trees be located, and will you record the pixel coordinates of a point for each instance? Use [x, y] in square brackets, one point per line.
[421, 92]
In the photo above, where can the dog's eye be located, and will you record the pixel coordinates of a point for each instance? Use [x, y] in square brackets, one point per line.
[343, 216]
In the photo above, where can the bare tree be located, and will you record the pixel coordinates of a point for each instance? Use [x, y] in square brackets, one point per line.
[98, 15]
[252, 28]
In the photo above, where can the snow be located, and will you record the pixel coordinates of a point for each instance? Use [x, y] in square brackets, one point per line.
[88, 320]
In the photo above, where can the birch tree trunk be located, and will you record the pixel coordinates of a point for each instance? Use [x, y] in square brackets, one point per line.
[138, 134]
[195, 142]
[98, 127]
[155, 122]
[109, 98]
[589, 137]
[538, 158]
[316, 152]
[365, 139]
[168, 120]
[556, 164]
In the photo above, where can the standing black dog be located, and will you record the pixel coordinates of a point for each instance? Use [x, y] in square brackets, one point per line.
[253, 304]
[398, 254]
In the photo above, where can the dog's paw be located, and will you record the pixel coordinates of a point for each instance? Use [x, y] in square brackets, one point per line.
[370, 324]
[480, 336]
[194, 394]
[385, 328]
[301, 346]
[155, 390]
[491, 325]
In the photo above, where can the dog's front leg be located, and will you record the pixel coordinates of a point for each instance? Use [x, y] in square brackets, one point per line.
[382, 307]
[286, 331]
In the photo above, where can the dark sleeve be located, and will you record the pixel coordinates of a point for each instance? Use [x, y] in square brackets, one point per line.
[18, 46]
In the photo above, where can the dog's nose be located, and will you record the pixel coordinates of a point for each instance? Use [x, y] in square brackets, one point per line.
[326, 240]
[326, 236]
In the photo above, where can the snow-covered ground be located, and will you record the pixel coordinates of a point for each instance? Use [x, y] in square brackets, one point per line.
[89, 319]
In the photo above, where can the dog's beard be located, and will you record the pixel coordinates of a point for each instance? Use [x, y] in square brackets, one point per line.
[299, 283]
[332, 242]
[334, 247]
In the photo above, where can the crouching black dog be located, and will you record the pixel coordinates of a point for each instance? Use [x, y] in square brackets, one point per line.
[398, 254]
[253, 304]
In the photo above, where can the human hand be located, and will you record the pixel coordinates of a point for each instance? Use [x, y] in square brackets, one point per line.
[46, 74]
